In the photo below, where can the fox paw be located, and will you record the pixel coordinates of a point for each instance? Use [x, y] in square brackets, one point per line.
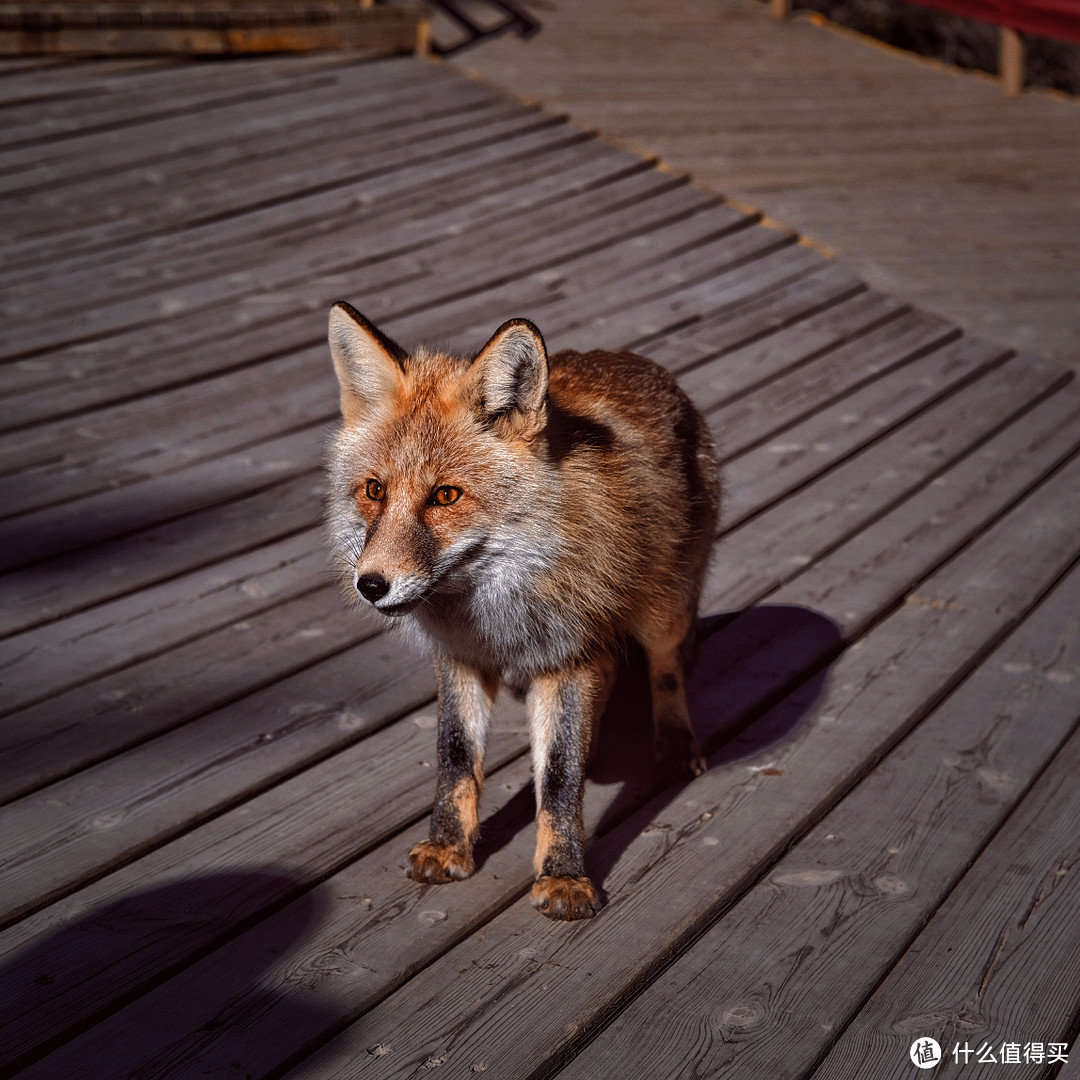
[676, 748]
[436, 864]
[566, 897]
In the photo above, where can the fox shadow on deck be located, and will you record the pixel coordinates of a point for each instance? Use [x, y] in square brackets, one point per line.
[756, 676]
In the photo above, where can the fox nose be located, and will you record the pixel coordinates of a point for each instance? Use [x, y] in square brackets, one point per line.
[372, 587]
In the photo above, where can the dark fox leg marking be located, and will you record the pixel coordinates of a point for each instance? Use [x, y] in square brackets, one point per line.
[675, 741]
[465, 700]
[561, 708]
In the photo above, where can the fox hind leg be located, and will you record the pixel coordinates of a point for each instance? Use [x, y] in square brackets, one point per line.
[674, 739]
[466, 697]
[563, 707]
[606, 671]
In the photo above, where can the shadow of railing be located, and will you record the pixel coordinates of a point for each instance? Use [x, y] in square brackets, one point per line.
[87, 968]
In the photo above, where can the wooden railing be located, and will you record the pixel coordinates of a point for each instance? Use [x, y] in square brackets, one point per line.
[1050, 18]
[151, 27]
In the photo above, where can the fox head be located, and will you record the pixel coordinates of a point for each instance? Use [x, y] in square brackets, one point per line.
[436, 473]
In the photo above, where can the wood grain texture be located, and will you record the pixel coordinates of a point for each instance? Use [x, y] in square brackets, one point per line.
[927, 181]
[994, 964]
[775, 978]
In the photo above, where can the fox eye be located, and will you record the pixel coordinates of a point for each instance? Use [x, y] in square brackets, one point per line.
[375, 490]
[445, 495]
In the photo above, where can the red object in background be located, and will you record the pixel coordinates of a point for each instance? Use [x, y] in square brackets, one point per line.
[1051, 18]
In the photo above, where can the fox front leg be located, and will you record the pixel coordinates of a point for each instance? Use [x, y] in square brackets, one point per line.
[465, 702]
[562, 708]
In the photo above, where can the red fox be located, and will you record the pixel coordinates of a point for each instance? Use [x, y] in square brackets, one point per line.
[524, 515]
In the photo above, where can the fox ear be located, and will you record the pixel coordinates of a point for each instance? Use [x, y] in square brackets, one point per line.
[512, 369]
[369, 365]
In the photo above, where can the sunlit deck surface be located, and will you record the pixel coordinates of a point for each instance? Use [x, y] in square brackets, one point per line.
[924, 179]
[213, 769]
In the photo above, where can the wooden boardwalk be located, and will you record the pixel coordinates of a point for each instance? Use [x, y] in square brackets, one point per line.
[926, 181]
[212, 769]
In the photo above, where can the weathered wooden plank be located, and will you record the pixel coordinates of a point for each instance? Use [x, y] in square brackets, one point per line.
[308, 277]
[149, 201]
[497, 142]
[76, 728]
[777, 110]
[41, 148]
[995, 964]
[831, 286]
[793, 394]
[430, 186]
[325, 210]
[662, 890]
[848, 498]
[114, 186]
[206, 419]
[43, 661]
[716, 278]
[267, 229]
[685, 259]
[186, 911]
[73, 830]
[45, 533]
[50, 87]
[375, 200]
[859, 418]
[312, 292]
[768, 987]
[34, 78]
[172, 345]
[215, 209]
[746, 365]
[56, 587]
[243, 851]
[117, 90]
[165, 100]
[590, 220]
